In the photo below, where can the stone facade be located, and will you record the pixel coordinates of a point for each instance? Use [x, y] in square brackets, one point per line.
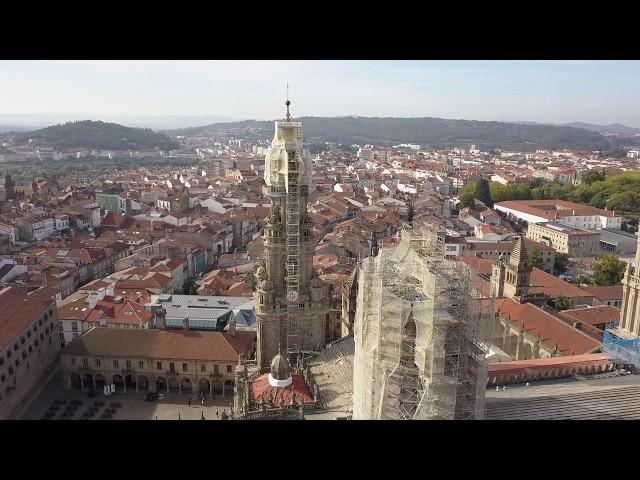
[141, 375]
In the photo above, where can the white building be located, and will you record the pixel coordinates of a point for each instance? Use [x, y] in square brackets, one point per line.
[10, 231]
[566, 213]
[61, 222]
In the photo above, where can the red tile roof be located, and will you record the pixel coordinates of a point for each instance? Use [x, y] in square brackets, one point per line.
[18, 309]
[545, 326]
[163, 344]
[554, 208]
[261, 390]
[613, 292]
[593, 315]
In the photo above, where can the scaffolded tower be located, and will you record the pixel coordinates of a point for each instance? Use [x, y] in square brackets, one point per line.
[286, 280]
[419, 335]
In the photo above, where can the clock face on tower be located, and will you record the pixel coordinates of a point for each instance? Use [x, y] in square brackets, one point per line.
[292, 295]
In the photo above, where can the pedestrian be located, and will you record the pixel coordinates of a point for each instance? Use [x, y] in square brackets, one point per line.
[216, 413]
[504, 387]
[202, 401]
[189, 401]
[526, 385]
[497, 388]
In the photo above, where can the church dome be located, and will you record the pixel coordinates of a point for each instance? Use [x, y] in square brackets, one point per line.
[280, 375]
[280, 367]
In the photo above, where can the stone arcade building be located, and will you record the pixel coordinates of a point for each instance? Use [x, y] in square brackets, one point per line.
[162, 361]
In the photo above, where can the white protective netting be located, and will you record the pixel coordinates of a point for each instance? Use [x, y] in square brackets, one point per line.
[287, 138]
[419, 332]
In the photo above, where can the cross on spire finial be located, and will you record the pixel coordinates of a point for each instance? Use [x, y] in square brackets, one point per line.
[287, 103]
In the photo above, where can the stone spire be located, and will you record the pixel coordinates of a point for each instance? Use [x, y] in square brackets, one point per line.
[287, 103]
[520, 254]
[517, 274]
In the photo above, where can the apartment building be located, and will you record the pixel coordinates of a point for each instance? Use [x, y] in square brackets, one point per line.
[566, 239]
[28, 346]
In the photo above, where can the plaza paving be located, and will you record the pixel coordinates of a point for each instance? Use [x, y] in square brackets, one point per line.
[134, 406]
[615, 398]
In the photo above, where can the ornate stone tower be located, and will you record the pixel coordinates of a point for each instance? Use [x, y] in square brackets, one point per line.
[629, 316]
[517, 274]
[291, 303]
[241, 388]
[497, 277]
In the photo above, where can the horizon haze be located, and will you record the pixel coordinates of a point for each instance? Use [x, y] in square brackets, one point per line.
[177, 94]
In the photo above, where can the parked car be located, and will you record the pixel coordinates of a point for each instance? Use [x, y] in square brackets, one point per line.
[151, 396]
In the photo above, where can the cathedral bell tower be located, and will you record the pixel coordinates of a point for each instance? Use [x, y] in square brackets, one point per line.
[512, 279]
[291, 305]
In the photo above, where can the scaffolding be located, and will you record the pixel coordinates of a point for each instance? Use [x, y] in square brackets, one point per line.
[287, 174]
[419, 334]
[621, 347]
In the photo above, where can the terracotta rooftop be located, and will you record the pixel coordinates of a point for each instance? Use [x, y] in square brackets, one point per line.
[18, 309]
[261, 390]
[165, 344]
[593, 315]
[545, 326]
[613, 292]
[553, 209]
[538, 363]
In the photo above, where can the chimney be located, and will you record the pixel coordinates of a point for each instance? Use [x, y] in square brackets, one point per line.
[185, 323]
[232, 328]
[93, 300]
[161, 322]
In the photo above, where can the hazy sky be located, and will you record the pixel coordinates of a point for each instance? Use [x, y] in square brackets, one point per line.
[544, 91]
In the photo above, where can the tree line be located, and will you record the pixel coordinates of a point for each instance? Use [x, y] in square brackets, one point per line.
[616, 192]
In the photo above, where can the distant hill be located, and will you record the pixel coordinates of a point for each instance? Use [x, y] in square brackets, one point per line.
[101, 135]
[436, 132]
[14, 128]
[613, 128]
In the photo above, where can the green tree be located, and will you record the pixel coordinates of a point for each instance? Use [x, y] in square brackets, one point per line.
[483, 192]
[466, 200]
[592, 176]
[535, 258]
[561, 302]
[561, 263]
[608, 270]
[467, 195]
[536, 182]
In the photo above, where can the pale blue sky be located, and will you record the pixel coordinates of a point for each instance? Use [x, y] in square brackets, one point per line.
[544, 91]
